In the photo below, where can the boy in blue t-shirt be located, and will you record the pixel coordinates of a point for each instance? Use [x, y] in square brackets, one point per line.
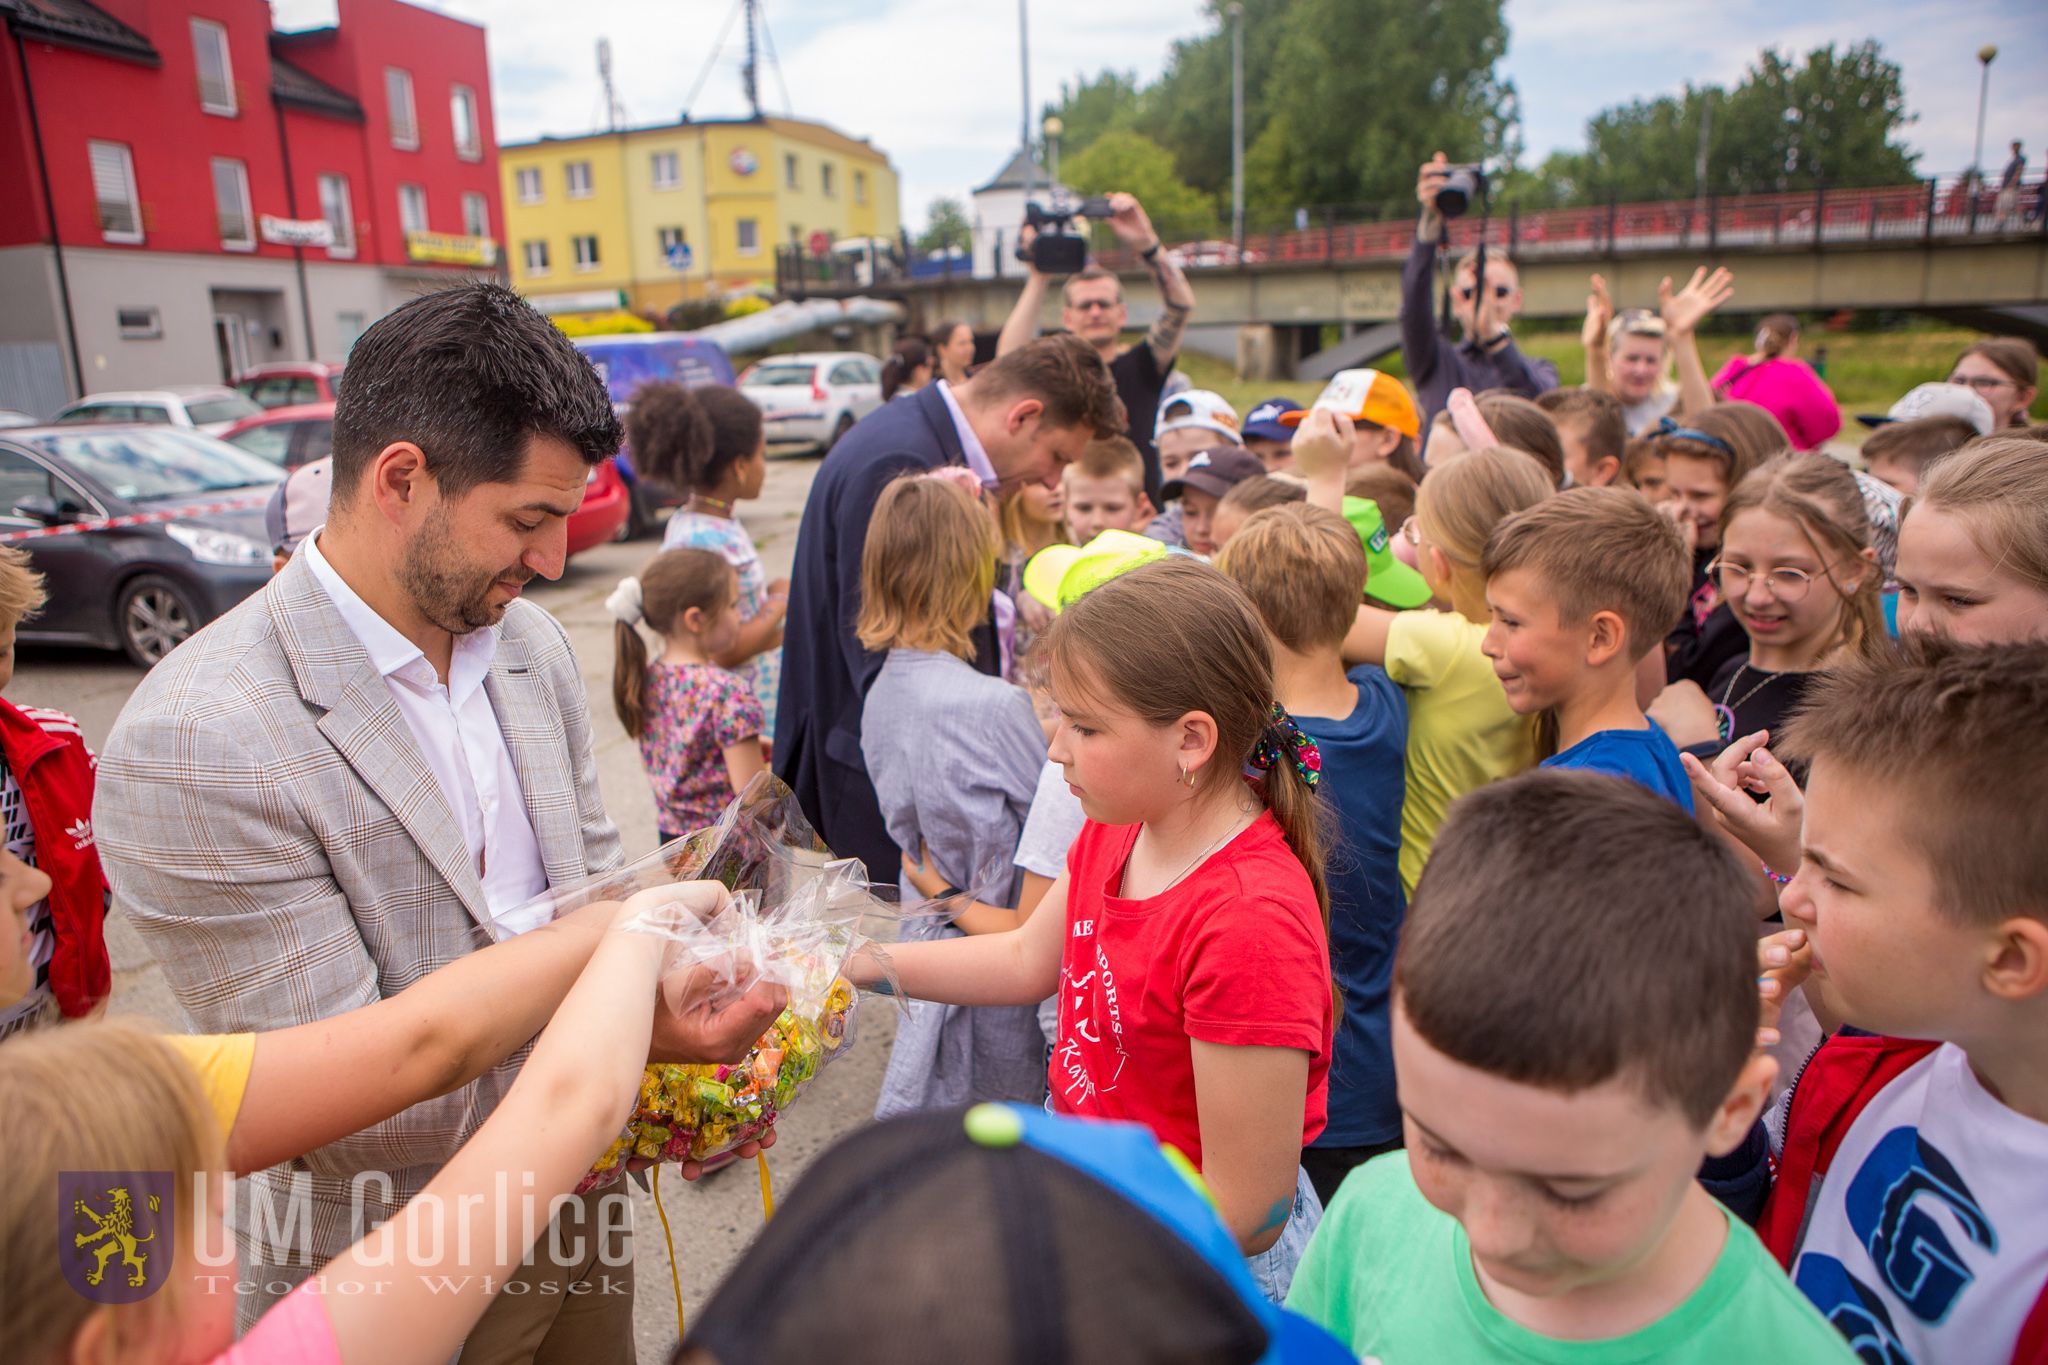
[1582, 587]
[1304, 568]
[1560, 1083]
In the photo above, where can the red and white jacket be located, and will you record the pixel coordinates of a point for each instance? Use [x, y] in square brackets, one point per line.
[1832, 1091]
[46, 752]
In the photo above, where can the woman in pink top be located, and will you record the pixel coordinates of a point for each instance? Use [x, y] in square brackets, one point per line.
[1773, 378]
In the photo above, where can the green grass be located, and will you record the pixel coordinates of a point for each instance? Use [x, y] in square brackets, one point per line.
[1867, 370]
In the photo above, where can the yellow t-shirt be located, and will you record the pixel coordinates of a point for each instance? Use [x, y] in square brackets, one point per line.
[1462, 733]
[222, 1062]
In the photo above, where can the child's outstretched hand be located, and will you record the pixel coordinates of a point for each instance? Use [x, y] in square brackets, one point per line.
[1321, 444]
[1783, 962]
[1769, 829]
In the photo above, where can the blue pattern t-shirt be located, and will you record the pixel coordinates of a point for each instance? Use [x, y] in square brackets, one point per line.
[1647, 755]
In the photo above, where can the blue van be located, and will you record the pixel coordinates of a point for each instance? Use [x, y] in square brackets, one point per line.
[631, 359]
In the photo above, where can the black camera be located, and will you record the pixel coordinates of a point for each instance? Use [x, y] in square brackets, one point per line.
[1058, 249]
[1462, 184]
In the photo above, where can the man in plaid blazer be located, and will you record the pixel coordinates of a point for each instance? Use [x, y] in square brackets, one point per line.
[329, 792]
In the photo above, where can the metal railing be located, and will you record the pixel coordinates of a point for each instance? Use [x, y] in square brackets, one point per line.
[1941, 208]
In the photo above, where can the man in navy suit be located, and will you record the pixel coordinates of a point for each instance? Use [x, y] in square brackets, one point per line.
[1020, 420]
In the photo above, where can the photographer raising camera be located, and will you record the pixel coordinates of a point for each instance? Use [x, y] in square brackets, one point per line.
[1092, 308]
[1486, 356]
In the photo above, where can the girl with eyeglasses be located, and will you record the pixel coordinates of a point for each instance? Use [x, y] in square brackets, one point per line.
[1797, 569]
[2006, 373]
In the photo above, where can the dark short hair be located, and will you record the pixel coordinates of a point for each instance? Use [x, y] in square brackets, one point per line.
[1572, 928]
[469, 375]
[689, 437]
[1063, 372]
[1956, 729]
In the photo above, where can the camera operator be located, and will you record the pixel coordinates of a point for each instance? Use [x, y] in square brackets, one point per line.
[1486, 357]
[1092, 308]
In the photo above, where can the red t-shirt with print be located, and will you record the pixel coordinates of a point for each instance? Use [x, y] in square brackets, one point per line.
[1235, 954]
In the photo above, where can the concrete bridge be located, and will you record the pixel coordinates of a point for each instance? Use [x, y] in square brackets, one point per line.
[1907, 248]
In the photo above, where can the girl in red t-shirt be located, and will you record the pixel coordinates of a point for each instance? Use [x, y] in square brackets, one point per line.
[1187, 937]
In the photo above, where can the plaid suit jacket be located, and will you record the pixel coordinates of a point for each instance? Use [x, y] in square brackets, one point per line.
[266, 820]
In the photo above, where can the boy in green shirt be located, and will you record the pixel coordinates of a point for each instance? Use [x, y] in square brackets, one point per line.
[1575, 1013]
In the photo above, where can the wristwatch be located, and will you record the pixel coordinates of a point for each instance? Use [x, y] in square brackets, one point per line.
[1150, 253]
[1500, 338]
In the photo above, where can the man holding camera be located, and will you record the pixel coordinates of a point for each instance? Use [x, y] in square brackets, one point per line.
[1092, 308]
[1486, 357]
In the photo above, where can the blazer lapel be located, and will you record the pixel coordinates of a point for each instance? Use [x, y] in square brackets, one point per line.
[532, 727]
[365, 727]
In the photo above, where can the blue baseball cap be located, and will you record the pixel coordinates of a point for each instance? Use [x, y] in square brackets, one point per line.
[1000, 1232]
[1263, 422]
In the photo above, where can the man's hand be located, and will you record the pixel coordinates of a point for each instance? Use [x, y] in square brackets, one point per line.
[1599, 313]
[1702, 294]
[688, 1027]
[1128, 220]
[1430, 179]
[1026, 235]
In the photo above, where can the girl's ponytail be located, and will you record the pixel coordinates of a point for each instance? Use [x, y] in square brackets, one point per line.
[629, 657]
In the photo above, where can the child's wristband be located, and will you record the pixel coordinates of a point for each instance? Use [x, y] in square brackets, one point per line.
[1778, 877]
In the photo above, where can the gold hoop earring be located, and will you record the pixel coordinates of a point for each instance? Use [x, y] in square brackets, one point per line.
[1187, 779]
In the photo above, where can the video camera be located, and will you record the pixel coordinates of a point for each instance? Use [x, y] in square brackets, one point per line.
[1058, 249]
[1462, 184]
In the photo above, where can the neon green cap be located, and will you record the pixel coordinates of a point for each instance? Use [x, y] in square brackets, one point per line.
[1060, 575]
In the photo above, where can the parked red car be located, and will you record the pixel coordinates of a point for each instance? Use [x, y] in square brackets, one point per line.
[604, 510]
[288, 383]
[288, 436]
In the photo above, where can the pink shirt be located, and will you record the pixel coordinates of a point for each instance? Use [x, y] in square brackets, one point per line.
[295, 1332]
[1787, 389]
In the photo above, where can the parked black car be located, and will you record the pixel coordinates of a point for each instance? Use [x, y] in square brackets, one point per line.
[142, 589]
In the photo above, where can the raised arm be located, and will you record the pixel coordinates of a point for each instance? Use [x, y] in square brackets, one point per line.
[1022, 324]
[1422, 349]
[1683, 312]
[1133, 227]
[1593, 335]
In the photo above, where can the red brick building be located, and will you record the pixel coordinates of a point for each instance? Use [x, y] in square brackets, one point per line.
[190, 193]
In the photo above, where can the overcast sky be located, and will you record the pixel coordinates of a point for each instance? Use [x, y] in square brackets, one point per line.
[874, 68]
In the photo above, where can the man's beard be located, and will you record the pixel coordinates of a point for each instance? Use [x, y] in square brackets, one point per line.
[447, 590]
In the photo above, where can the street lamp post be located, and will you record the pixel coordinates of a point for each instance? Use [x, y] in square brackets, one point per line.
[1053, 129]
[1984, 55]
[1236, 12]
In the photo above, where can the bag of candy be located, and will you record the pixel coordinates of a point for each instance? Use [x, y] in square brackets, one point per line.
[796, 914]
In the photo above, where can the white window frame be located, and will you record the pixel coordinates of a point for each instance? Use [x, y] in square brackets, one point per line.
[476, 215]
[405, 196]
[860, 186]
[828, 183]
[527, 253]
[338, 208]
[459, 98]
[673, 161]
[569, 170]
[405, 120]
[126, 166]
[792, 174]
[526, 185]
[139, 322]
[596, 258]
[744, 228]
[206, 34]
[240, 170]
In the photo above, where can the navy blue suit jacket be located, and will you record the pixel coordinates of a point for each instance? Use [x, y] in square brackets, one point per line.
[825, 671]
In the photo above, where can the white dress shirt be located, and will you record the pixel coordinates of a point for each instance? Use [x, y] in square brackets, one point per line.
[970, 444]
[457, 732]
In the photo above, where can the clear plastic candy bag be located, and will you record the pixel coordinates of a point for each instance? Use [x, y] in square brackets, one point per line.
[795, 916]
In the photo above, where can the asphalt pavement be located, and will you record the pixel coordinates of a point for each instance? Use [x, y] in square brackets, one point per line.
[714, 1220]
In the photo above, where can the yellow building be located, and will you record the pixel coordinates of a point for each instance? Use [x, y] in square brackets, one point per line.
[655, 216]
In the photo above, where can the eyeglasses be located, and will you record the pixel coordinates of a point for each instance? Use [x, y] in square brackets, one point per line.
[1500, 291]
[1091, 305]
[1786, 584]
[1984, 382]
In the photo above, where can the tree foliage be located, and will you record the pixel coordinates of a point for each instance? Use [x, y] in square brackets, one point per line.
[1106, 103]
[1786, 126]
[946, 226]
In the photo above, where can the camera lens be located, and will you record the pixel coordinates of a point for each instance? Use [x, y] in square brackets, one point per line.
[1454, 196]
